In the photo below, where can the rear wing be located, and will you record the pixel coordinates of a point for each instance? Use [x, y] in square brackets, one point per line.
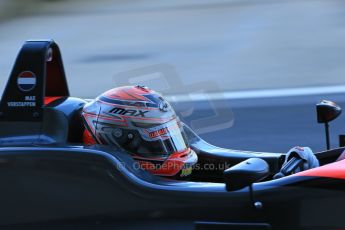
[37, 73]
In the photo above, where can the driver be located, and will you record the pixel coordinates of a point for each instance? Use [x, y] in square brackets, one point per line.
[139, 121]
[142, 123]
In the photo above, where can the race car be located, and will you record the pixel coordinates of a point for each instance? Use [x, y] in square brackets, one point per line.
[51, 179]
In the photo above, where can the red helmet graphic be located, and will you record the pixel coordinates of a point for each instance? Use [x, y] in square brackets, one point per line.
[139, 121]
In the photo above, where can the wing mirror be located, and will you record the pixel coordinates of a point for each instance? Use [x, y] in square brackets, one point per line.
[327, 111]
[246, 173]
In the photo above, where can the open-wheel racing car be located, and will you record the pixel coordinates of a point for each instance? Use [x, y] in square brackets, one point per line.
[52, 180]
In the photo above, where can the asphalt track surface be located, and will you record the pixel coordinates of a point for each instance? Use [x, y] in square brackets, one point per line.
[269, 124]
[230, 44]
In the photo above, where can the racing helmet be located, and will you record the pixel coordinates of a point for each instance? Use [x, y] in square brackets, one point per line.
[141, 122]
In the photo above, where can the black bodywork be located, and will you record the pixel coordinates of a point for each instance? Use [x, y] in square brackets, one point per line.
[51, 181]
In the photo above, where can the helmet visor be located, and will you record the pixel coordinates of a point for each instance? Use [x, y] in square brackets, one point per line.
[155, 140]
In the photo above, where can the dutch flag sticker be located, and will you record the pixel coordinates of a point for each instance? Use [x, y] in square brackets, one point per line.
[26, 81]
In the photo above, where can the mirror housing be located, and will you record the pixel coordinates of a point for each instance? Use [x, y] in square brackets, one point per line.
[327, 111]
[246, 173]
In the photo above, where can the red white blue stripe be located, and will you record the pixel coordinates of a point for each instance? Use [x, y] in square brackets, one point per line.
[26, 81]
